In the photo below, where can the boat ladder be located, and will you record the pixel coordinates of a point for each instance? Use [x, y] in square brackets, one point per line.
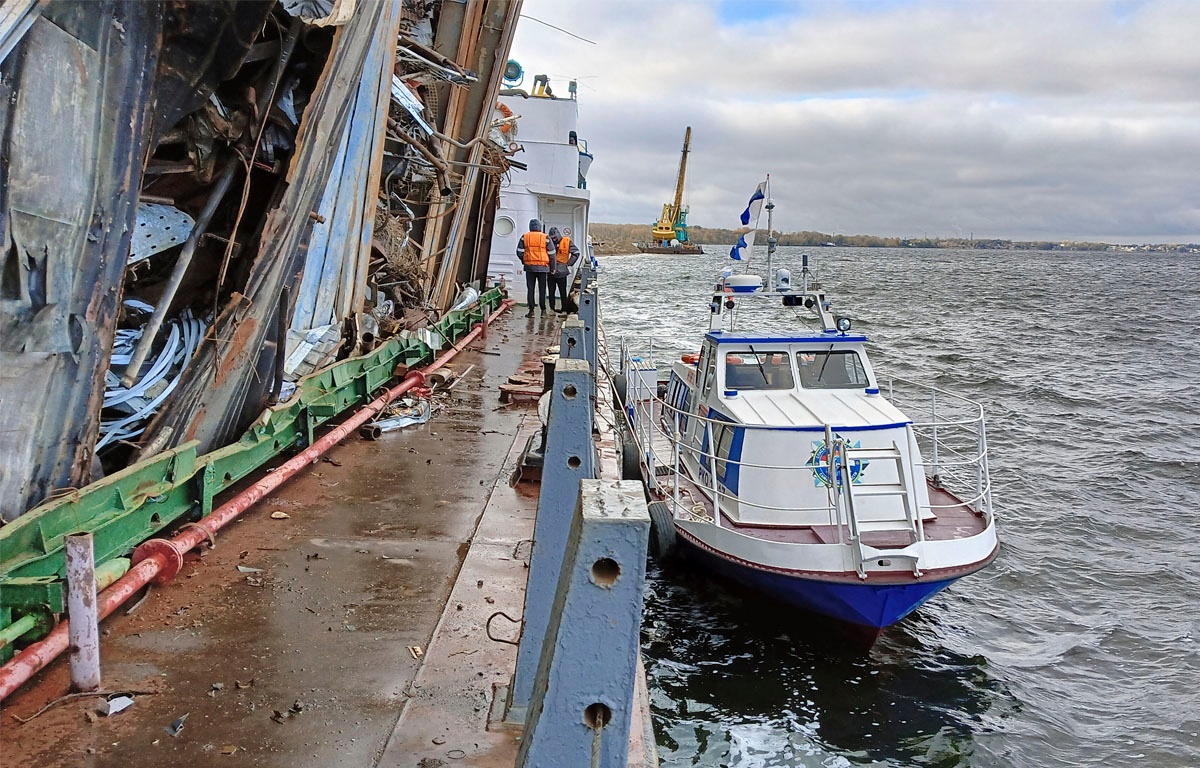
[909, 523]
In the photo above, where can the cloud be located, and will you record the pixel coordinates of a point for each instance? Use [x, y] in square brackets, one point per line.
[1030, 120]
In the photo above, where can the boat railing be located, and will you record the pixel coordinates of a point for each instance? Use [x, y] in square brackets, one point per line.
[710, 460]
[951, 433]
[667, 432]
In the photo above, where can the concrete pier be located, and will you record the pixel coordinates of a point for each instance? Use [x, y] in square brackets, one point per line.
[344, 620]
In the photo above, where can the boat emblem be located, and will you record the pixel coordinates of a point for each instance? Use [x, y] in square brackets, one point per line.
[819, 463]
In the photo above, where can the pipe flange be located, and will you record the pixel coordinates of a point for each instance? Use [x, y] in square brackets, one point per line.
[172, 558]
[418, 377]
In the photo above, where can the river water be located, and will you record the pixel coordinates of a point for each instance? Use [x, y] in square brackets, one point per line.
[1078, 646]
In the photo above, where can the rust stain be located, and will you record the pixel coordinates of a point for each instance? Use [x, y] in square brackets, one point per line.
[194, 424]
[229, 362]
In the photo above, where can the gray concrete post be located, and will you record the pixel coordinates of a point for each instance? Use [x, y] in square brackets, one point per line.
[583, 700]
[589, 313]
[587, 277]
[571, 346]
[83, 630]
[570, 457]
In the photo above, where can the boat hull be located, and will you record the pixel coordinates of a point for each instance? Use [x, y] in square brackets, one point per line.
[848, 600]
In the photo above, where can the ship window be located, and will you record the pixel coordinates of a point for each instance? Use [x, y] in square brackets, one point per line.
[504, 226]
[758, 370]
[842, 369]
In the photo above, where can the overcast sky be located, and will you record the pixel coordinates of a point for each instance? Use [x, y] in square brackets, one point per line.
[1058, 119]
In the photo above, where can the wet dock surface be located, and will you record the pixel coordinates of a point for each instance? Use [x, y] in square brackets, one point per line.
[310, 658]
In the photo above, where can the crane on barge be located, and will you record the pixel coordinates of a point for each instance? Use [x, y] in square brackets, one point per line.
[670, 233]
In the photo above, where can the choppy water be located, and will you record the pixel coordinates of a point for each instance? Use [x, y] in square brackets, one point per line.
[1079, 645]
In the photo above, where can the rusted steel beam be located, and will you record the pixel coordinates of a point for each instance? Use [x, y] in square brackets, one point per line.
[493, 40]
[457, 33]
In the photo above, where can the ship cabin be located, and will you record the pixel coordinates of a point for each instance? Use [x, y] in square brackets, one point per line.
[752, 410]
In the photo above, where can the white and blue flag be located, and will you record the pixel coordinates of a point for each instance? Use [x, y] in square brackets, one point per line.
[753, 209]
[736, 251]
[755, 205]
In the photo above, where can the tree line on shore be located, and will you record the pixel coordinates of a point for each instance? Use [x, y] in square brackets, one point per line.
[621, 238]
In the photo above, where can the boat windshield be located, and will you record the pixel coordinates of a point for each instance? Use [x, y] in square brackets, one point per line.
[841, 369]
[758, 370]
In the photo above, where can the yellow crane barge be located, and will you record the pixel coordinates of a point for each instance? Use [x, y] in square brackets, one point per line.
[670, 233]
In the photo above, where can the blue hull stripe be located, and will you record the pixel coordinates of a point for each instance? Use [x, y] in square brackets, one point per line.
[863, 604]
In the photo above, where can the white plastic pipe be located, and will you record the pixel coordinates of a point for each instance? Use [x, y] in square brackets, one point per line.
[84, 627]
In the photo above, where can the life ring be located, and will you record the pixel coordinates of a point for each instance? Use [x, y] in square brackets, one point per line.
[504, 110]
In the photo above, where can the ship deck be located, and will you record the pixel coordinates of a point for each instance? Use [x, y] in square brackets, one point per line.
[361, 640]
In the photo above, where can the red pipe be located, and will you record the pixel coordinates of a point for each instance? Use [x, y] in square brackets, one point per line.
[159, 560]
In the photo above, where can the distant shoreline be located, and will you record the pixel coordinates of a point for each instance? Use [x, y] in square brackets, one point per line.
[612, 239]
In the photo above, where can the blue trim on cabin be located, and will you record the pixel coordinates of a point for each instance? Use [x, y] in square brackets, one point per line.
[827, 337]
[733, 463]
[821, 429]
[678, 397]
[733, 468]
[869, 605]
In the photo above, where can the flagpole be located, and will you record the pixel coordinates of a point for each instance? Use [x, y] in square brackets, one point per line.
[771, 241]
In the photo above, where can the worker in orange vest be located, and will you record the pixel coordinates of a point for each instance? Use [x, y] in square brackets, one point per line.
[536, 252]
[567, 254]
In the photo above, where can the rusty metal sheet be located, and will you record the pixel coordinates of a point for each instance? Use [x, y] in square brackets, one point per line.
[82, 84]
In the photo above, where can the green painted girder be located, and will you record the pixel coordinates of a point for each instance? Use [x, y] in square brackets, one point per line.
[177, 485]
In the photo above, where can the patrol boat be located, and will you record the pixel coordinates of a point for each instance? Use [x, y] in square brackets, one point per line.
[782, 461]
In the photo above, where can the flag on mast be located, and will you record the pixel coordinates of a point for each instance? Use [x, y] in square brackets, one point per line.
[753, 210]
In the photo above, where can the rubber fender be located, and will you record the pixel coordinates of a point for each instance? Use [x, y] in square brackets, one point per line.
[662, 531]
[631, 465]
[620, 385]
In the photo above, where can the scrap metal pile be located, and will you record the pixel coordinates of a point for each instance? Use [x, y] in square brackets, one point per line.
[201, 204]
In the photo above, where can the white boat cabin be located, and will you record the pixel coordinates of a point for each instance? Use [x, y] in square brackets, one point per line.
[756, 409]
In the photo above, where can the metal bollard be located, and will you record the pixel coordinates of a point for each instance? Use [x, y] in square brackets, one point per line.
[583, 699]
[570, 457]
[83, 631]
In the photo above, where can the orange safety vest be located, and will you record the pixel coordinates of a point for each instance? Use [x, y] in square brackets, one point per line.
[564, 250]
[535, 250]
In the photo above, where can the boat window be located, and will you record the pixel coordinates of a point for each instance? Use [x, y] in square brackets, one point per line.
[724, 441]
[758, 370]
[708, 369]
[841, 369]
